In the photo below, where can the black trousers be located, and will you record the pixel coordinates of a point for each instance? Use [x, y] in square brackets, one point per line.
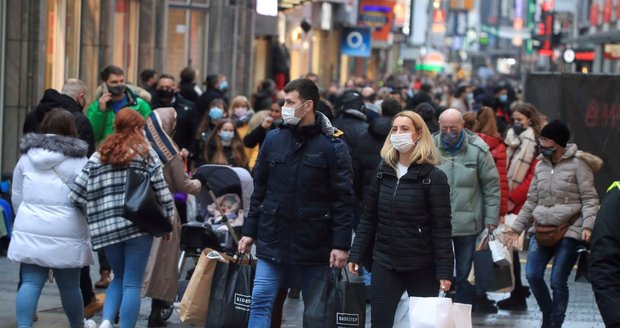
[104, 265]
[86, 285]
[387, 286]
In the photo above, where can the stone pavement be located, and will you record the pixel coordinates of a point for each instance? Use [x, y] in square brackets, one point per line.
[582, 311]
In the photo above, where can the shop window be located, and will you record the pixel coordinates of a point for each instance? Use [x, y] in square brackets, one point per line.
[125, 43]
[62, 51]
[187, 36]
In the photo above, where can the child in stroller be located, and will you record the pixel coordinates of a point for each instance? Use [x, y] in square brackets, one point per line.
[231, 211]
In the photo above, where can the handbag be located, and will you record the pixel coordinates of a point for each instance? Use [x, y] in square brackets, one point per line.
[141, 205]
[549, 235]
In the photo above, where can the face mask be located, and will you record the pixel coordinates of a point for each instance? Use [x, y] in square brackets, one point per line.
[470, 96]
[288, 115]
[226, 135]
[240, 111]
[223, 86]
[450, 138]
[503, 98]
[116, 90]
[216, 113]
[165, 94]
[518, 128]
[402, 142]
[546, 151]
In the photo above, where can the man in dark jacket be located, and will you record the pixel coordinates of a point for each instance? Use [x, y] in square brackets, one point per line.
[71, 98]
[605, 257]
[216, 87]
[300, 212]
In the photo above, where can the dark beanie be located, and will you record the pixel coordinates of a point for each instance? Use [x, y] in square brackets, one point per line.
[556, 131]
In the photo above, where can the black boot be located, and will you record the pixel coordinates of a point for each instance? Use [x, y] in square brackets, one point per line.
[516, 301]
[155, 319]
[482, 304]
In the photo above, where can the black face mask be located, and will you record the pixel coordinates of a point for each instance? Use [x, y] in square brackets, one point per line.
[165, 94]
[546, 151]
[116, 90]
[518, 128]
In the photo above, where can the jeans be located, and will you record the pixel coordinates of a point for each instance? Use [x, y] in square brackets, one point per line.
[33, 279]
[565, 256]
[388, 286]
[128, 260]
[269, 277]
[464, 248]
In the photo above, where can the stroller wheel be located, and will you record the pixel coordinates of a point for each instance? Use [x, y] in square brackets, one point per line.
[166, 311]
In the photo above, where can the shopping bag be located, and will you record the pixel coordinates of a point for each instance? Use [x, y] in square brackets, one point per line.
[582, 265]
[231, 293]
[490, 275]
[195, 301]
[350, 303]
[438, 312]
[320, 301]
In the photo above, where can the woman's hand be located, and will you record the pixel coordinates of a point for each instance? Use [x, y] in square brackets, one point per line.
[586, 235]
[511, 237]
[354, 268]
[445, 285]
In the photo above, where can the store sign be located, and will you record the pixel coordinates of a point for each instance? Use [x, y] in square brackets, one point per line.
[612, 51]
[355, 42]
[378, 15]
[577, 55]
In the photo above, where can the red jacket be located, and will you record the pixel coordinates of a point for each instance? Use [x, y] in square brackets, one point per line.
[518, 195]
[498, 151]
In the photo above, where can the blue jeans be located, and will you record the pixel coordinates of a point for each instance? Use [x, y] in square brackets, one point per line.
[269, 277]
[128, 260]
[33, 279]
[464, 248]
[565, 256]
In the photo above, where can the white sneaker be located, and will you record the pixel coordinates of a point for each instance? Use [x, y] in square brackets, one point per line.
[106, 324]
[90, 323]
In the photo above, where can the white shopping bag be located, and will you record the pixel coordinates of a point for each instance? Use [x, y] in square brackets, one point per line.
[499, 251]
[438, 312]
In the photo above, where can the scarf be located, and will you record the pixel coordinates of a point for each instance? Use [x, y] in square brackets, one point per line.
[521, 152]
[160, 120]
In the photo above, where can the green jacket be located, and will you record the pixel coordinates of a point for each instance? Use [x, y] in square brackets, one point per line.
[103, 122]
[474, 184]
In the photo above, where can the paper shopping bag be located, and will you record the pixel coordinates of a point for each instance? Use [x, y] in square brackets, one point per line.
[438, 312]
[195, 301]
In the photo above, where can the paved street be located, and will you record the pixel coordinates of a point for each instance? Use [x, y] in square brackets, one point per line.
[582, 310]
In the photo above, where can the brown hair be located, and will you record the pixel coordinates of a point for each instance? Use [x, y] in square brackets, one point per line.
[59, 121]
[206, 119]
[127, 141]
[219, 157]
[486, 123]
[530, 111]
[469, 118]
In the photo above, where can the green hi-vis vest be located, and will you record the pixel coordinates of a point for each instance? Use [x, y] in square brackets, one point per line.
[616, 184]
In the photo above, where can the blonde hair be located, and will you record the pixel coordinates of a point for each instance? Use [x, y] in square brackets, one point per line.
[425, 150]
[238, 101]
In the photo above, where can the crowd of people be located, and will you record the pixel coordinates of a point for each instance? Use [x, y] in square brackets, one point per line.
[396, 181]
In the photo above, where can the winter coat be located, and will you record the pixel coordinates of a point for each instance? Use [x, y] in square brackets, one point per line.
[94, 192]
[202, 104]
[301, 208]
[369, 154]
[186, 118]
[474, 184]
[103, 121]
[189, 91]
[49, 230]
[162, 274]
[498, 152]
[562, 192]
[518, 195]
[604, 270]
[53, 99]
[353, 125]
[408, 221]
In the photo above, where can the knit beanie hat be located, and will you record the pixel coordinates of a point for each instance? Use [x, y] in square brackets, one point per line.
[556, 131]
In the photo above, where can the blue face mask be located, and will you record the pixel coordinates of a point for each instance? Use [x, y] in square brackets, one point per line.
[450, 138]
[223, 86]
[216, 113]
[503, 98]
[226, 135]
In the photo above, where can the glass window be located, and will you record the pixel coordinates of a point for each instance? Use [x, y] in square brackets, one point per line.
[62, 47]
[186, 39]
[72, 47]
[125, 53]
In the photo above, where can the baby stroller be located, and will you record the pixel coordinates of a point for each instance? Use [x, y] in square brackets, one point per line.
[222, 181]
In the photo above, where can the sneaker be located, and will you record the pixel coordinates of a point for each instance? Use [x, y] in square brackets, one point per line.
[90, 323]
[95, 306]
[106, 324]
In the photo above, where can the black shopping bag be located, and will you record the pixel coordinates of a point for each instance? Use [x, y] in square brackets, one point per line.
[320, 302]
[582, 265]
[491, 276]
[231, 294]
[350, 303]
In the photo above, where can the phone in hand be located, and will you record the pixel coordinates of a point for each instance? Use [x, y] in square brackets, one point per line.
[104, 88]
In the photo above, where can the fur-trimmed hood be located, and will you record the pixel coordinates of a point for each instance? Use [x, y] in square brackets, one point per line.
[47, 150]
[593, 161]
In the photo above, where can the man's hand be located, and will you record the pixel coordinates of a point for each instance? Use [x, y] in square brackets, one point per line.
[354, 268]
[267, 121]
[491, 227]
[245, 244]
[586, 235]
[103, 101]
[337, 258]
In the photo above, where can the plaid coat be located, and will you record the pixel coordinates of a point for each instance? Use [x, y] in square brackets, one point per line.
[99, 190]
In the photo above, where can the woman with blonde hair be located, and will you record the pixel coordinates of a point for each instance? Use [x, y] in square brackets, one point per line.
[99, 190]
[241, 113]
[406, 226]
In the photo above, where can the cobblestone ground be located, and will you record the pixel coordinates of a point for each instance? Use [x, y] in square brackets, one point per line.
[582, 311]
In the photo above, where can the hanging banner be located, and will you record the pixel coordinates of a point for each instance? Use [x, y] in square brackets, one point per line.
[355, 42]
[378, 15]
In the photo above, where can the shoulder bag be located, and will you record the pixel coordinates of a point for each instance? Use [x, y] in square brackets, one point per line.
[550, 235]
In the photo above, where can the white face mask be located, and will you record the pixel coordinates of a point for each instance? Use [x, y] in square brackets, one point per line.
[288, 115]
[402, 142]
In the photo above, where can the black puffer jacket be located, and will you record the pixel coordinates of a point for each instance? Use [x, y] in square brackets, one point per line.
[301, 207]
[369, 154]
[353, 124]
[408, 220]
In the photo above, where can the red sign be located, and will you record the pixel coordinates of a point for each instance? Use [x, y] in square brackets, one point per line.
[584, 56]
[594, 14]
[607, 11]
